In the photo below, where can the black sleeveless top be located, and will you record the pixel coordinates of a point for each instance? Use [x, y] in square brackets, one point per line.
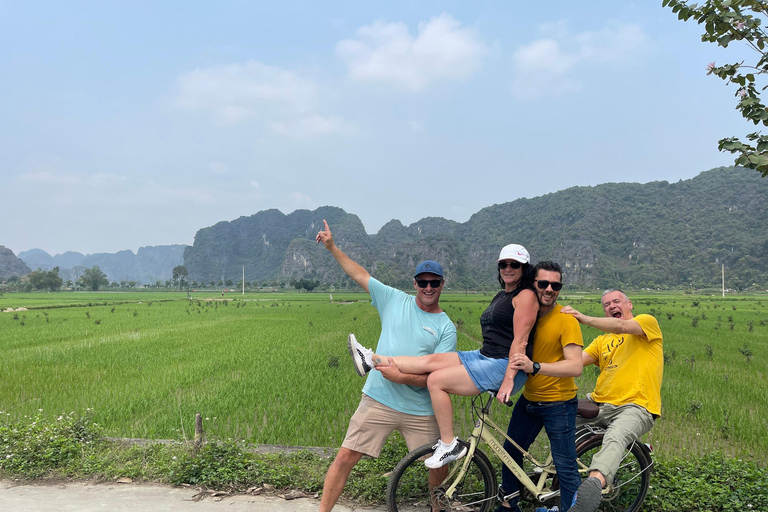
[497, 323]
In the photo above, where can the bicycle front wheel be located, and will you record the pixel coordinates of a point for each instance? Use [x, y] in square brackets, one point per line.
[409, 488]
[632, 480]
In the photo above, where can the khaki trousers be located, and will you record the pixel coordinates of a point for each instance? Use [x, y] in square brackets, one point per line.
[623, 424]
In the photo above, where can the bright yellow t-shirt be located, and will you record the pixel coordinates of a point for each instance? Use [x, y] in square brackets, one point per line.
[554, 331]
[631, 367]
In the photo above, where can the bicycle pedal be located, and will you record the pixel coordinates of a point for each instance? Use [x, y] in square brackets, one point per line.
[506, 497]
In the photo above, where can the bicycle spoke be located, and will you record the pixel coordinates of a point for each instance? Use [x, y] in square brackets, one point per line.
[409, 488]
[631, 481]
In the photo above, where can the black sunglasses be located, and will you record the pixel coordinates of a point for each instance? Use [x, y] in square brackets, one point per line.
[543, 285]
[422, 283]
[514, 264]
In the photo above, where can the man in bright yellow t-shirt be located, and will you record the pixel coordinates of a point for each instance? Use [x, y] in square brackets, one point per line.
[549, 397]
[628, 390]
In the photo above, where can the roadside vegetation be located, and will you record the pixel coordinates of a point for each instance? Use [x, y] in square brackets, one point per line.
[79, 368]
[73, 447]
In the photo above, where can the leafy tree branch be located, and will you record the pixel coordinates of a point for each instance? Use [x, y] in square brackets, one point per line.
[726, 21]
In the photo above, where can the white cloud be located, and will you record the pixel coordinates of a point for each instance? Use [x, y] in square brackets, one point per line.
[312, 125]
[155, 193]
[542, 69]
[299, 200]
[56, 178]
[282, 99]
[235, 92]
[60, 179]
[107, 179]
[613, 44]
[557, 29]
[417, 126]
[387, 53]
[550, 66]
[255, 184]
[72, 192]
[218, 168]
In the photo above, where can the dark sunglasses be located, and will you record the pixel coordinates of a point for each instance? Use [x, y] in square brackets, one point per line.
[554, 284]
[422, 283]
[514, 264]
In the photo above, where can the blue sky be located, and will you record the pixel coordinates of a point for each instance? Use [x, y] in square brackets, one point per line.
[128, 124]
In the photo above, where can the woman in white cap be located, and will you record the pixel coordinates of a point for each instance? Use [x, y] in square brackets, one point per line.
[506, 325]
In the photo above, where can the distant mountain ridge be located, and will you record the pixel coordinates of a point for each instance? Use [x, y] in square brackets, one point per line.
[656, 234]
[651, 235]
[11, 265]
[38, 258]
[148, 265]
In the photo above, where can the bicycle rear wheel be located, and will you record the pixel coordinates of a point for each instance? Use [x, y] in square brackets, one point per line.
[632, 480]
[408, 489]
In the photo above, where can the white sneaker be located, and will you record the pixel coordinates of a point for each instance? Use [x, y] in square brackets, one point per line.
[445, 454]
[360, 355]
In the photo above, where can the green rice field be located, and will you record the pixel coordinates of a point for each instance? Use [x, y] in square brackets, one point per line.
[273, 368]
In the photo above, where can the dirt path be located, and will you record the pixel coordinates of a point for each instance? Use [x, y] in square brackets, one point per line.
[90, 497]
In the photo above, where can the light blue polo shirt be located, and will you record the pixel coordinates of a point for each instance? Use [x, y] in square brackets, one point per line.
[406, 330]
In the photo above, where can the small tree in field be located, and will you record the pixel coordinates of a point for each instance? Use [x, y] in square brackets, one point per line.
[93, 279]
[726, 21]
[305, 284]
[180, 275]
[45, 280]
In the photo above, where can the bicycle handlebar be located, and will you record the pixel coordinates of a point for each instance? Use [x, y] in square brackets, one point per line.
[508, 403]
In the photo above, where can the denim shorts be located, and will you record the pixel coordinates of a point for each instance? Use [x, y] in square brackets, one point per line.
[487, 373]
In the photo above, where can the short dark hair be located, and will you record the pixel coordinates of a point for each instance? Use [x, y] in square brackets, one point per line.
[550, 266]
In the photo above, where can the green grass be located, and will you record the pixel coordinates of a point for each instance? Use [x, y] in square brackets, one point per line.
[273, 368]
[711, 404]
[72, 447]
[254, 369]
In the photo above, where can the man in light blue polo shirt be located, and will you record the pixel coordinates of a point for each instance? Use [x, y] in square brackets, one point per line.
[392, 400]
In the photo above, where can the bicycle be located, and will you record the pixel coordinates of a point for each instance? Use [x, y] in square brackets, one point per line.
[471, 482]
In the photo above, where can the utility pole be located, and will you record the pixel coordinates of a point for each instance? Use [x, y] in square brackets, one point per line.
[723, 280]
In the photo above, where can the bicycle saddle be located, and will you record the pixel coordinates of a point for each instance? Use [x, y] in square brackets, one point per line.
[587, 409]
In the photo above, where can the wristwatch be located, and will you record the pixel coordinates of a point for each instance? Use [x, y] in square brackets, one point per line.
[536, 368]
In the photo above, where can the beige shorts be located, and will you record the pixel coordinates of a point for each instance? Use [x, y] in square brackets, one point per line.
[373, 422]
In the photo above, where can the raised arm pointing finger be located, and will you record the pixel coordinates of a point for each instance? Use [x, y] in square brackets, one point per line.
[325, 237]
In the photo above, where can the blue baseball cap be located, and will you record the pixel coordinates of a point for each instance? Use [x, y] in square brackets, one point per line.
[429, 266]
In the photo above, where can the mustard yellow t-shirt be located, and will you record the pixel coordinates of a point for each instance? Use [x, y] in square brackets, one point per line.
[631, 366]
[553, 332]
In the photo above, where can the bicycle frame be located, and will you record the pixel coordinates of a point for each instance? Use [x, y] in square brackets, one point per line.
[471, 480]
[538, 489]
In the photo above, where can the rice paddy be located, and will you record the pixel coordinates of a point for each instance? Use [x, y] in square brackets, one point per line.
[273, 368]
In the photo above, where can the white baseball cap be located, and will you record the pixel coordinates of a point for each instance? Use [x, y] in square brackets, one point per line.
[514, 252]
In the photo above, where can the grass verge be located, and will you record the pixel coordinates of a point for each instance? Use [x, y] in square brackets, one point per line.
[73, 447]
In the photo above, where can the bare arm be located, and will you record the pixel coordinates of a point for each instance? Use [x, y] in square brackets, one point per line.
[353, 269]
[526, 309]
[571, 366]
[587, 359]
[606, 323]
[393, 373]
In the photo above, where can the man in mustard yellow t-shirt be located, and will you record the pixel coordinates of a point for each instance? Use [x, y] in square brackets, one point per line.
[549, 397]
[628, 390]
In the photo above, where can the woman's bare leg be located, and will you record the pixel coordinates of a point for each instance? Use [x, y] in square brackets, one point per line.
[442, 384]
[419, 365]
